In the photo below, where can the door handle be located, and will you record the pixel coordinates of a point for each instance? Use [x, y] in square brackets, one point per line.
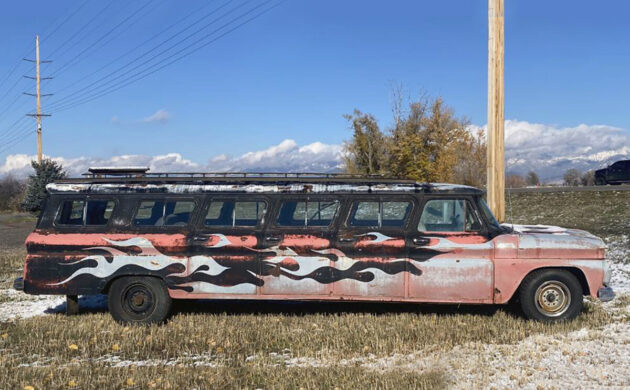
[201, 238]
[273, 238]
[347, 239]
[421, 241]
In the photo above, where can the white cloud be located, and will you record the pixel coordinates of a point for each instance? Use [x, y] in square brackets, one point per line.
[284, 157]
[551, 150]
[160, 116]
[548, 150]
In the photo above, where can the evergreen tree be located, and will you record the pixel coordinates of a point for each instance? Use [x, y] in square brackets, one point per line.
[45, 172]
[532, 179]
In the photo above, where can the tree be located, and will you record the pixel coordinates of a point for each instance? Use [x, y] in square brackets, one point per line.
[515, 181]
[572, 178]
[366, 152]
[427, 143]
[11, 192]
[45, 172]
[532, 179]
[588, 178]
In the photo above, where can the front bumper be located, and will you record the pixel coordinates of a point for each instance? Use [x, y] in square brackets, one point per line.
[18, 284]
[605, 294]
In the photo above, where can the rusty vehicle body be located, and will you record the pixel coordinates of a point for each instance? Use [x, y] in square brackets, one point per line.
[145, 239]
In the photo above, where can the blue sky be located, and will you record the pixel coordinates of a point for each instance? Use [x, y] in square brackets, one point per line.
[294, 72]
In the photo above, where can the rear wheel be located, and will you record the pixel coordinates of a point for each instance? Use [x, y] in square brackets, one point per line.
[551, 296]
[600, 181]
[139, 300]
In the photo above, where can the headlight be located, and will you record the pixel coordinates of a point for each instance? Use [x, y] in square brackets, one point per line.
[607, 273]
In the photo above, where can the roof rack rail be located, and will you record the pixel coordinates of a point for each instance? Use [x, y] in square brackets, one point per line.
[115, 172]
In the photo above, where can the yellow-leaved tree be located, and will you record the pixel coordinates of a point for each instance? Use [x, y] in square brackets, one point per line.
[427, 142]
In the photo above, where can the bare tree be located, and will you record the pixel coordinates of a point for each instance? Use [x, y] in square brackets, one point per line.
[515, 181]
[572, 178]
[588, 178]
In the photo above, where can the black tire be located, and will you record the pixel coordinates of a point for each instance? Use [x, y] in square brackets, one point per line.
[139, 300]
[551, 295]
[600, 181]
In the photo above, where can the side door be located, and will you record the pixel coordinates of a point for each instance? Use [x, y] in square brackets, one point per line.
[616, 172]
[225, 255]
[371, 252]
[626, 171]
[451, 247]
[157, 243]
[296, 246]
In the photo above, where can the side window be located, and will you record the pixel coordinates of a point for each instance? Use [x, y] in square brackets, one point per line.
[231, 213]
[379, 214]
[81, 213]
[448, 215]
[71, 212]
[164, 213]
[98, 212]
[307, 213]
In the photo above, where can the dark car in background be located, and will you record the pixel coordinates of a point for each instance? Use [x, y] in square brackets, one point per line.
[617, 173]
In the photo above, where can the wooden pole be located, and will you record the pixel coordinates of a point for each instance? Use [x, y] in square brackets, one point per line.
[496, 109]
[39, 104]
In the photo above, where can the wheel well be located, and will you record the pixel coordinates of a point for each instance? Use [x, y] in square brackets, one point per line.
[105, 289]
[575, 271]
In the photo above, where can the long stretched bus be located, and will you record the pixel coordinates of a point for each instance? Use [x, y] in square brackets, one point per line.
[145, 239]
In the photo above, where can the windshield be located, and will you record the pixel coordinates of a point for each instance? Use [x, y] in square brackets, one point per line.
[489, 216]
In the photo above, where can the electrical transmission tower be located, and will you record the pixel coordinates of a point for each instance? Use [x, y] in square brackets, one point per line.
[38, 115]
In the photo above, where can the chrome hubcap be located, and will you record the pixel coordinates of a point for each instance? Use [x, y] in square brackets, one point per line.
[553, 298]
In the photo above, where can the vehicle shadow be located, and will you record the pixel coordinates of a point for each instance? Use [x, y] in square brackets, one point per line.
[98, 304]
[302, 308]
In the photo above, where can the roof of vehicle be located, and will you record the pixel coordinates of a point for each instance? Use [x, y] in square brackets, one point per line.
[138, 180]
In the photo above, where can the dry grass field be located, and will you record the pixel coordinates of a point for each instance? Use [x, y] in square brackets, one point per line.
[311, 345]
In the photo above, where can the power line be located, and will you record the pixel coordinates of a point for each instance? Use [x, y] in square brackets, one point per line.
[94, 45]
[129, 80]
[147, 52]
[30, 51]
[86, 25]
[195, 11]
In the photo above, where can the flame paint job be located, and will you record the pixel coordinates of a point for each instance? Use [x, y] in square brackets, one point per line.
[460, 267]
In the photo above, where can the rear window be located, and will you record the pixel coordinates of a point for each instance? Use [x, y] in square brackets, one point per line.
[85, 213]
[379, 214]
[164, 213]
[234, 213]
[307, 213]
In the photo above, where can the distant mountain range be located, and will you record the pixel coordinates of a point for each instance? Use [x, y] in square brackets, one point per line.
[548, 150]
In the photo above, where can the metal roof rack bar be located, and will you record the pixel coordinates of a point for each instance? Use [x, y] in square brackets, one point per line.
[118, 172]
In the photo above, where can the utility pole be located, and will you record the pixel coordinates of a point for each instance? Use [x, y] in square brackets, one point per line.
[38, 115]
[496, 109]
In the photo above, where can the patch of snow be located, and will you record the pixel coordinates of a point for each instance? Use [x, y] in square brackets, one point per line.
[23, 305]
[618, 256]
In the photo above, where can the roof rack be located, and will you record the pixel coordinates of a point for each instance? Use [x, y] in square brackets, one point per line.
[142, 172]
[116, 171]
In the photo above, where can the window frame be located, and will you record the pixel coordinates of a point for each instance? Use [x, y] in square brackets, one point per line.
[85, 199]
[144, 228]
[471, 202]
[203, 212]
[381, 199]
[310, 198]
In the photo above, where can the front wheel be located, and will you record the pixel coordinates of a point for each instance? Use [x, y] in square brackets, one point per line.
[551, 296]
[139, 300]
